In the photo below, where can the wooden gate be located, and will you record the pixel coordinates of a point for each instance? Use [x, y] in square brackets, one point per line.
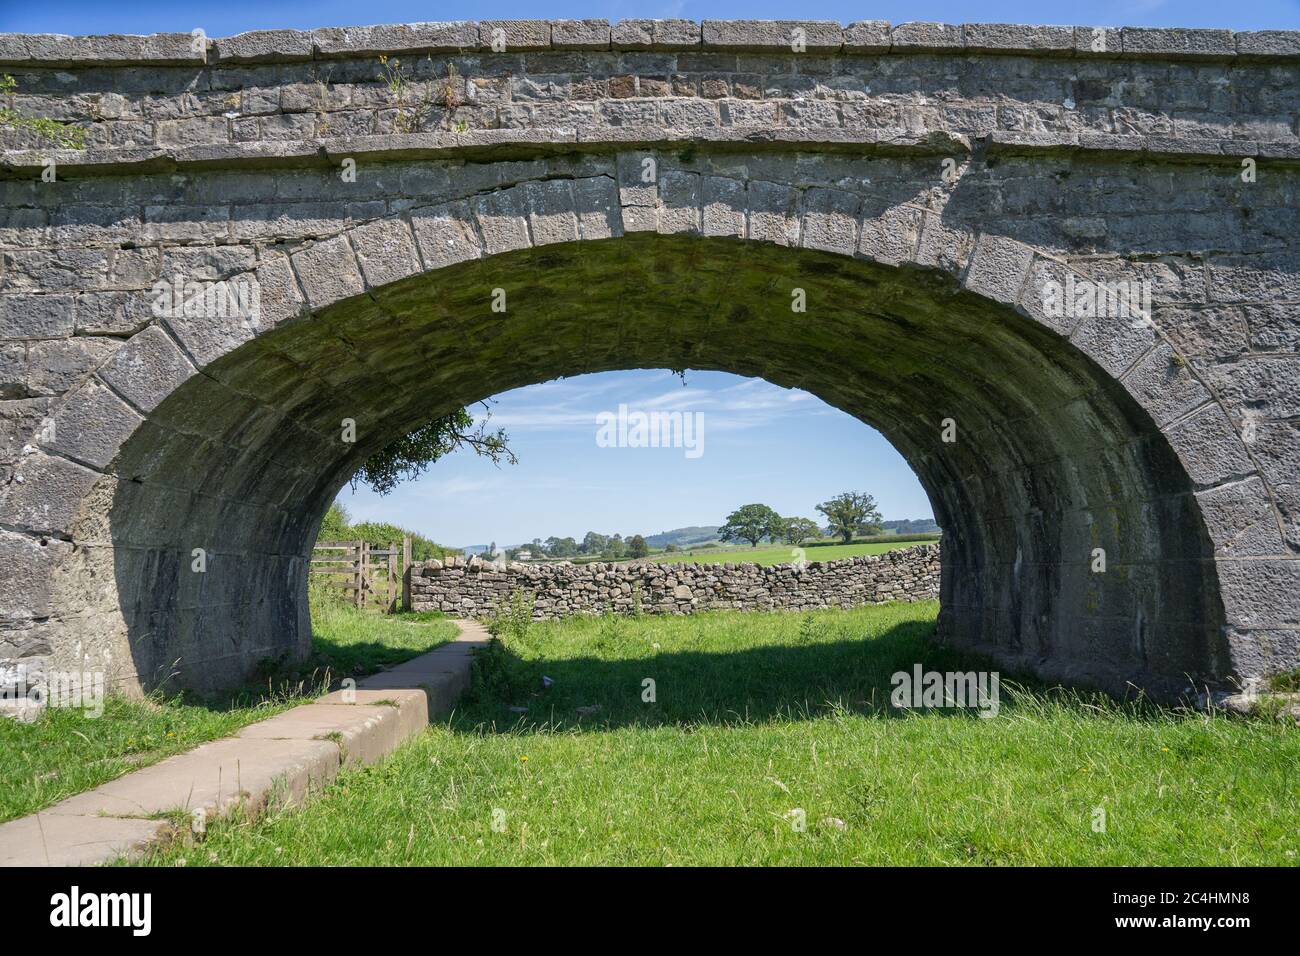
[374, 576]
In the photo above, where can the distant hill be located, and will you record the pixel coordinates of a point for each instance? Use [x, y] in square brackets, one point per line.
[695, 534]
[704, 534]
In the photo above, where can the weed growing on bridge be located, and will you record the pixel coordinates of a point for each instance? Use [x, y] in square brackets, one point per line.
[51, 131]
[770, 741]
[412, 117]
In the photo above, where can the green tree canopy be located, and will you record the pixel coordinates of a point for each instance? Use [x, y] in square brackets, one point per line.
[796, 531]
[561, 547]
[751, 523]
[850, 513]
[334, 526]
[337, 526]
[636, 547]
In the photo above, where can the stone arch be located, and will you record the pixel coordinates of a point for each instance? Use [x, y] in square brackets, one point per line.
[221, 438]
[915, 177]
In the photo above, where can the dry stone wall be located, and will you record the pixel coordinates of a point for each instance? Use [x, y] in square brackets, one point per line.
[472, 588]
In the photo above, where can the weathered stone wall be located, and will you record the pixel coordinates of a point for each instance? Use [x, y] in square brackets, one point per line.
[1051, 84]
[473, 588]
[922, 184]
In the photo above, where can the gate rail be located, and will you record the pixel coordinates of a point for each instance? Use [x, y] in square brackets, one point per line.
[373, 575]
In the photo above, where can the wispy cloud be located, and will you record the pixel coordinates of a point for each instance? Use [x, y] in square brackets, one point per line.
[573, 405]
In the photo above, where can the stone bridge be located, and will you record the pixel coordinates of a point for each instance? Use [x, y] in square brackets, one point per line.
[1058, 267]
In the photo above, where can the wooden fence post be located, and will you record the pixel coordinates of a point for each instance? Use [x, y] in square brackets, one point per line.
[406, 573]
[390, 589]
[362, 561]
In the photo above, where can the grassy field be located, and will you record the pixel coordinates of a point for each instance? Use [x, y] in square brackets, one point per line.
[763, 721]
[66, 751]
[784, 554]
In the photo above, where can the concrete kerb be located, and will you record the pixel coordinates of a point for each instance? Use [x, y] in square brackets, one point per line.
[280, 761]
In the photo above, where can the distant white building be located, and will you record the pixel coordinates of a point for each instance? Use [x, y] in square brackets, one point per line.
[523, 555]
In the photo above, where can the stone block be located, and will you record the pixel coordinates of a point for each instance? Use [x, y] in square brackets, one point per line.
[867, 36]
[503, 220]
[446, 234]
[148, 368]
[680, 202]
[552, 217]
[35, 316]
[264, 45]
[1176, 43]
[889, 234]
[1017, 38]
[830, 220]
[922, 35]
[773, 36]
[92, 424]
[1210, 448]
[45, 494]
[327, 272]
[596, 204]
[385, 251]
[723, 212]
[998, 268]
[774, 210]
[514, 36]
[580, 34]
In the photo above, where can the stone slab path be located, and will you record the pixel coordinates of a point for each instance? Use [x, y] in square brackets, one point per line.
[278, 761]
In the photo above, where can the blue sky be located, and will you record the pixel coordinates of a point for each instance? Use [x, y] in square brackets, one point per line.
[782, 447]
[761, 443]
[233, 16]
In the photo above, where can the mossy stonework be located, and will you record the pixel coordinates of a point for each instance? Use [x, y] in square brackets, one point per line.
[876, 214]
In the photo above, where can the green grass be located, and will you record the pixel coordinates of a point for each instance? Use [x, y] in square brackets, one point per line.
[783, 554]
[351, 643]
[66, 752]
[758, 715]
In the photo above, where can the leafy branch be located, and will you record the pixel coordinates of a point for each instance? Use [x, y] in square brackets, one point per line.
[410, 456]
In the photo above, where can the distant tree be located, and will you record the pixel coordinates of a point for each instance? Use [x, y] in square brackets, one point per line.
[796, 531]
[671, 547]
[593, 543]
[614, 548]
[636, 547]
[334, 526]
[561, 547]
[751, 523]
[383, 532]
[337, 526]
[850, 513]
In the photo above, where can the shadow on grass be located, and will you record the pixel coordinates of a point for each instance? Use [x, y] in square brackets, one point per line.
[798, 681]
[283, 679]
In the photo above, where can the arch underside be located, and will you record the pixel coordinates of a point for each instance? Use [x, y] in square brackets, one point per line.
[1052, 458]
